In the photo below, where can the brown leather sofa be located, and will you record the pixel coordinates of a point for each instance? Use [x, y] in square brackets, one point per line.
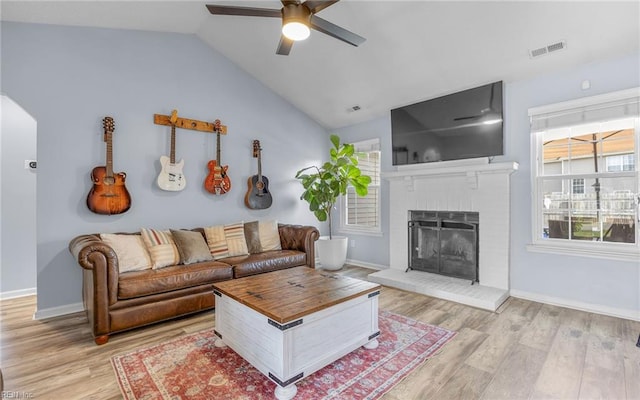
[117, 302]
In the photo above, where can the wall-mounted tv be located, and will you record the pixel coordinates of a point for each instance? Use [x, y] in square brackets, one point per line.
[458, 126]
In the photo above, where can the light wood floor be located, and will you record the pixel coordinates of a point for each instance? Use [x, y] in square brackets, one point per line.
[526, 350]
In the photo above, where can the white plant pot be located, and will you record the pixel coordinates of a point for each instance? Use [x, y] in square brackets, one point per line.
[332, 254]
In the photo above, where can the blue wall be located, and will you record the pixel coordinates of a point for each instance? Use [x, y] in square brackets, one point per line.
[599, 282]
[69, 78]
[607, 285]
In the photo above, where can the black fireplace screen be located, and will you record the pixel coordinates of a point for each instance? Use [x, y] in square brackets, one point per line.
[444, 242]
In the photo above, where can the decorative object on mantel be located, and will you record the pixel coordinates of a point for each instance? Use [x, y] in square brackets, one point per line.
[322, 189]
[109, 195]
[192, 367]
[171, 177]
[297, 20]
[217, 182]
[258, 196]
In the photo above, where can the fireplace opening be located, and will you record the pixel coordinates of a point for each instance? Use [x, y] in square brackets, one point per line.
[444, 242]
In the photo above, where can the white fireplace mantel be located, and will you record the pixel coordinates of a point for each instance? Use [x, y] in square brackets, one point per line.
[468, 186]
[446, 170]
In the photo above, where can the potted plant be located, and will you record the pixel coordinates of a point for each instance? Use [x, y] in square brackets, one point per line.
[322, 187]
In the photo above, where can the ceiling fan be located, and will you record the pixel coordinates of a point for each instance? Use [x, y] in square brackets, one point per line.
[489, 115]
[297, 19]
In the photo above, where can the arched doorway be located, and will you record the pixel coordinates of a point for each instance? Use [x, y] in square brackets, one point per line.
[18, 136]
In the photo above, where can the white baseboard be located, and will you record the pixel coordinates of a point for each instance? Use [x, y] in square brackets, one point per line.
[13, 294]
[365, 264]
[58, 311]
[633, 315]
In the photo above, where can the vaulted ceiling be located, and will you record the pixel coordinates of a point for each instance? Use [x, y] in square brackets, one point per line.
[414, 50]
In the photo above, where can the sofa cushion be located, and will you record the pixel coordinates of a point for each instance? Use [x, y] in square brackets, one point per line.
[252, 236]
[161, 247]
[143, 283]
[191, 246]
[262, 236]
[236, 242]
[216, 241]
[269, 235]
[226, 240]
[265, 262]
[130, 249]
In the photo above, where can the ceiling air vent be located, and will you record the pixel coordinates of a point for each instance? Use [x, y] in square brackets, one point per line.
[548, 49]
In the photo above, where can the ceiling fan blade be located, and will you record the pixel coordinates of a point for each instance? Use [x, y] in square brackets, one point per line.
[284, 47]
[333, 30]
[469, 117]
[245, 11]
[318, 5]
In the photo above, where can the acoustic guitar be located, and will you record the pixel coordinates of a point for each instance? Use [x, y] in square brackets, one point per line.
[217, 181]
[258, 196]
[171, 177]
[109, 195]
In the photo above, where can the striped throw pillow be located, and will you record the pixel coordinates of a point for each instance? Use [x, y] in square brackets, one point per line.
[161, 247]
[216, 241]
[236, 242]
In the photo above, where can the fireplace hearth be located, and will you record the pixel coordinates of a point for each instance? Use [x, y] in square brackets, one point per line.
[481, 187]
[444, 242]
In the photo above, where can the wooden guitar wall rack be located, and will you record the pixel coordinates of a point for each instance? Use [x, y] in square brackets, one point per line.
[192, 124]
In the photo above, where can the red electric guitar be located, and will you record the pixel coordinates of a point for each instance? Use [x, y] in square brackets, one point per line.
[217, 182]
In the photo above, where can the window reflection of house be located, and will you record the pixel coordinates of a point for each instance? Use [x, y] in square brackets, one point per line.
[587, 195]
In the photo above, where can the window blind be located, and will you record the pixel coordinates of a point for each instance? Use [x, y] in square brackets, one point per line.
[619, 105]
[364, 211]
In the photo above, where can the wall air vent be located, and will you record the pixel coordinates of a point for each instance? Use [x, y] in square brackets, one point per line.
[548, 49]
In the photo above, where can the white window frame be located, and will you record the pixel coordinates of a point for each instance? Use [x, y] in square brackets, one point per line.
[622, 158]
[607, 250]
[363, 146]
[577, 183]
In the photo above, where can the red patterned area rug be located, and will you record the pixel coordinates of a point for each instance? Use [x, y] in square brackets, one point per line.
[191, 367]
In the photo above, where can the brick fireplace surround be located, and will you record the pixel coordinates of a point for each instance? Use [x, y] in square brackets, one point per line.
[471, 185]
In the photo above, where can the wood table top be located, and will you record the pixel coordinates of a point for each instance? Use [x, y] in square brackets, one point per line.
[289, 294]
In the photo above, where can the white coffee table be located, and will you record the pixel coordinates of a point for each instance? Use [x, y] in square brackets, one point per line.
[291, 323]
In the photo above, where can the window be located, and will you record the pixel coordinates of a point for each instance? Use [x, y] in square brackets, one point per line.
[585, 178]
[577, 186]
[623, 162]
[362, 214]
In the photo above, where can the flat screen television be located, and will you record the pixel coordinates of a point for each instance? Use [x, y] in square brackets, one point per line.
[457, 126]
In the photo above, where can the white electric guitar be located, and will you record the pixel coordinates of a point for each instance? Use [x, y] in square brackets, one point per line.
[171, 177]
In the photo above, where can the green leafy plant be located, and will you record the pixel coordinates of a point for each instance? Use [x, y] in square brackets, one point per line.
[323, 185]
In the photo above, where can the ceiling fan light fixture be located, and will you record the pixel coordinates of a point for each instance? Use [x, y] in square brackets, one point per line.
[295, 30]
[295, 21]
[492, 121]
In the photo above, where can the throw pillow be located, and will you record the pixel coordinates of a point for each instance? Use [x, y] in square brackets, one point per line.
[216, 241]
[191, 246]
[130, 249]
[236, 242]
[269, 235]
[161, 247]
[252, 235]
